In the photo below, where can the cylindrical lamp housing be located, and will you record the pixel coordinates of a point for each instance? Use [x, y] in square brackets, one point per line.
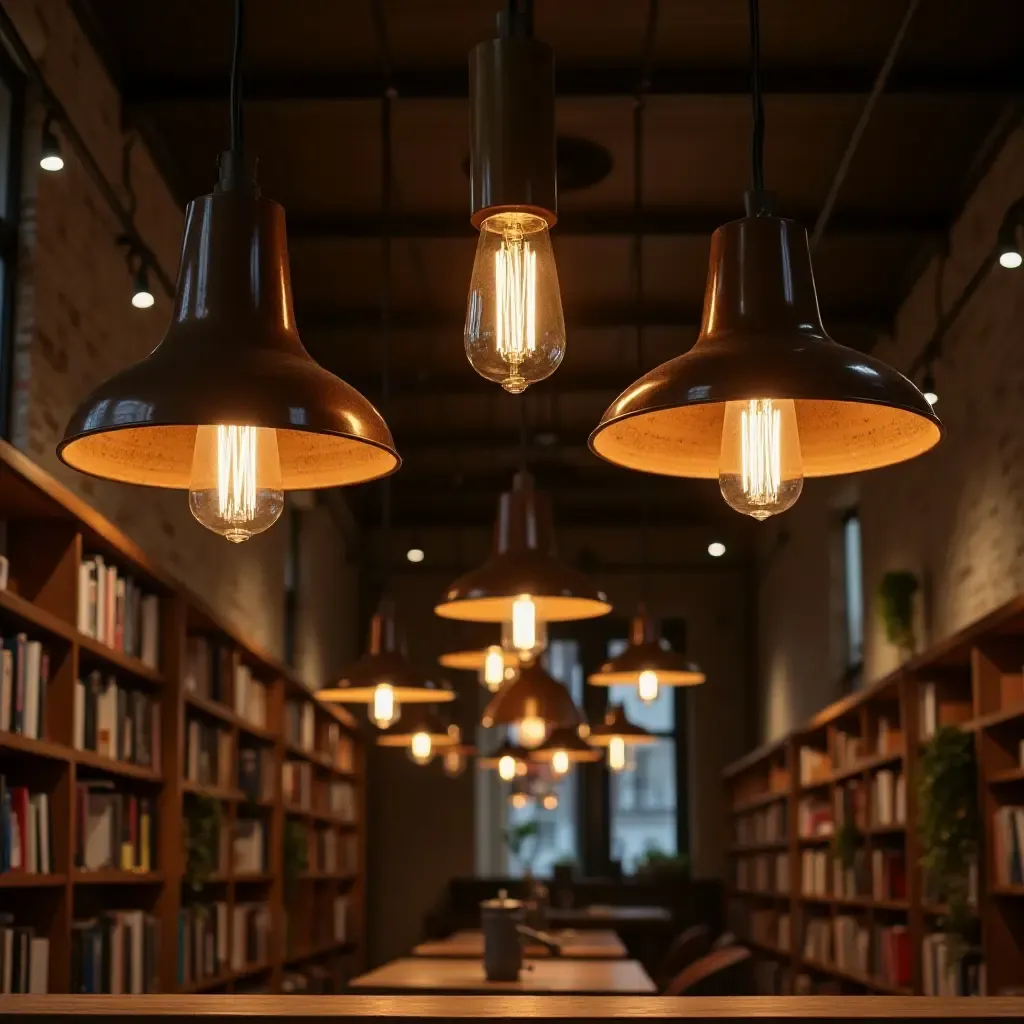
[512, 128]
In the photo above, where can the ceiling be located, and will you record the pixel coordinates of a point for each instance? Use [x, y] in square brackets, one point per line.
[316, 71]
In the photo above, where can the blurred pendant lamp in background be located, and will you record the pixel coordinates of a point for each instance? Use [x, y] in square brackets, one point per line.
[509, 760]
[534, 703]
[422, 734]
[514, 333]
[616, 733]
[493, 665]
[384, 678]
[230, 406]
[564, 748]
[765, 397]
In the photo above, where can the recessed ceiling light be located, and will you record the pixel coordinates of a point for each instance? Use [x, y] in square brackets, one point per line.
[716, 549]
[415, 554]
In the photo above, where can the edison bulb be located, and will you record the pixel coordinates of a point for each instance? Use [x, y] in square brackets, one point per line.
[518, 800]
[617, 754]
[384, 710]
[514, 333]
[235, 488]
[560, 762]
[550, 802]
[533, 729]
[507, 768]
[647, 688]
[524, 623]
[421, 748]
[494, 668]
[454, 763]
[761, 468]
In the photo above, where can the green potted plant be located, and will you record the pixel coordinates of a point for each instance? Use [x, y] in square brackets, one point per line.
[296, 854]
[202, 840]
[949, 828]
[522, 841]
[657, 863]
[896, 604]
[845, 843]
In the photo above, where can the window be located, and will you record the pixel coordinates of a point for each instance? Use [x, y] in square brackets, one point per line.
[10, 200]
[853, 596]
[643, 801]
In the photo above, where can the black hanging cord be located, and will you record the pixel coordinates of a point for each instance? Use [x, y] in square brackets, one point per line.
[523, 444]
[386, 199]
[518, 19]
[237, 128]
[757, 201]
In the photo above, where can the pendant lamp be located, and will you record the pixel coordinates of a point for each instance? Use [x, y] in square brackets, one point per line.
[493, 665]
[514, 333]
[535, 703]
[455, 758]
[523, 581]
[230, 406]
[383, 678]
[648, 662]
[765, 397]
[509, 760]
[422, 734]
[616, 733]
[564, 748]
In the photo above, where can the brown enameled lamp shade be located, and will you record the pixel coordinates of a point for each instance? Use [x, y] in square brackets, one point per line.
[473, 661]
[534, 694]
[761, 337]
[385, 661]
[647, 652]
[523, 562]
[576, 749]
[519, 754]
[617, 726]
[231, 356]
[422, 720]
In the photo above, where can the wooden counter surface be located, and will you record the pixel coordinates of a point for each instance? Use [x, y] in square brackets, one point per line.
[585, 945]
[825, 1009]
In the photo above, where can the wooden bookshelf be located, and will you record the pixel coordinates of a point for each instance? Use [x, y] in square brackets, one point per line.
[49, 531]
[977, 678]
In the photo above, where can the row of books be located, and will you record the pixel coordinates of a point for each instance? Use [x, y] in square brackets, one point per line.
[1008, 839]
[888, 875]
[763, 873]
[214, 669]
[769, 928]
[818, 940]
[888, 736]
[849, 803]
[891, 955]
[815, 766]
[850, 880]
[297, 784]
[250, 934]
[341, 800]
[814, 872]
[945, 974]
[113, 830]
[249, 695]
[765, 825]
[300, 724]
[256, 771]
[208, 754]
[26, 830]
[202, 942]
[339, 747]
[24, 959]
[117, 952]
[329, 927]
[24, 677]
[847, 750]
[815, 817]
[888, 798]
[249, 847]
[116, 721]
[852, 944]
[323, 853]
[115, 610]
[940, 704]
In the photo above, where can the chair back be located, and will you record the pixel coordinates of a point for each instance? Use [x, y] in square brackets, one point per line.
[723, 972]
[689, 945]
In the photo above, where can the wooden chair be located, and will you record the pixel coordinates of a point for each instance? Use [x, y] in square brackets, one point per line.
[685, 948]
[722, 973]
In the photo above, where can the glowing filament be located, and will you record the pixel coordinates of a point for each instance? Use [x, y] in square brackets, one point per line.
[761, 439]
[507, 768]
[560, 762]
[494, 667]
[421, 748]
[647, 686]
[384, 711]
[524, 623]
[515, 287]
[617, 754]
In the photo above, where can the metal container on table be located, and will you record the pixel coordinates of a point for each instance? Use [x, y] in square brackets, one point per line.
[503, 951]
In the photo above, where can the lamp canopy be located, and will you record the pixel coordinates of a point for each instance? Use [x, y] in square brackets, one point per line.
[617, 726]
[231, 356]
[761, 336]
[523, 562]
[385, 661]
[566, 739]
[423, 719]
[647, 652]
[534, 694]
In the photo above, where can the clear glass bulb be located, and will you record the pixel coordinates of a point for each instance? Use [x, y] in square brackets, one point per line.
[454, 763]
[550, 802]
[235, 489]
[560, 762]
[617, 754]
[647, 688]
[384, 710]
[494, 668]
[507, 768]
[515, 333]
[524, 623]
[533, 730]
[421, 748]
[761, 467]
[518, 800]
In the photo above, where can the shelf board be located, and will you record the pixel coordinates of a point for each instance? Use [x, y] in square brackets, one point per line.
[816, 840]
[867, 764]
[215, 792]
[763, 894]
[335, 947]
[327, 876]
[1007, 890]
[36, 616]
[1009, 775]
[871, 904]
[756, 802]
[811, 897]
[780, 844]
[816, 784]
[111, 876]
[766, 948]
[858, 979]
[317, 758]
[886, 830]
[994, 718]
[136, 666]
[28, 880]
[225, 714]
[15, 741]
[253, 878]
[111, 766]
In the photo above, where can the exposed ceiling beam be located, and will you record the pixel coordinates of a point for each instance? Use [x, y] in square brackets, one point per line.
[660, 223]
[452, 83]
[614, 315]
[433, 385]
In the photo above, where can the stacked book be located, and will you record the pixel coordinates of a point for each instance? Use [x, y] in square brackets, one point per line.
[26, 830]
[113, 831]
[943, 974]
[941, 704]
[113, 609]
[299, 724]
[24, 959]
[208, 754]
[888, 875]
[249, 847]
[250, 695]
[297, 784]
[202, 942]
[341, 800]
[888, 798]
[24, 676]
[117, 952]
[852, 945]
[1008, 838]
[116, 721]
[250, 935]
[891, 960]
[255, 771]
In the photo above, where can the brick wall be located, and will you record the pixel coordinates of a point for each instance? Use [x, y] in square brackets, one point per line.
[955, 516]
[75, 326]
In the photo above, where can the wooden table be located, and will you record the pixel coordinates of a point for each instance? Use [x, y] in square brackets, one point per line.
[436, 975]
[599, 944]
[608, 917]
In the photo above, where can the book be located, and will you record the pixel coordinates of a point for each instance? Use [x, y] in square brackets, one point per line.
[113, 609]
[114, 830]
[117, 952]
[117, 721]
